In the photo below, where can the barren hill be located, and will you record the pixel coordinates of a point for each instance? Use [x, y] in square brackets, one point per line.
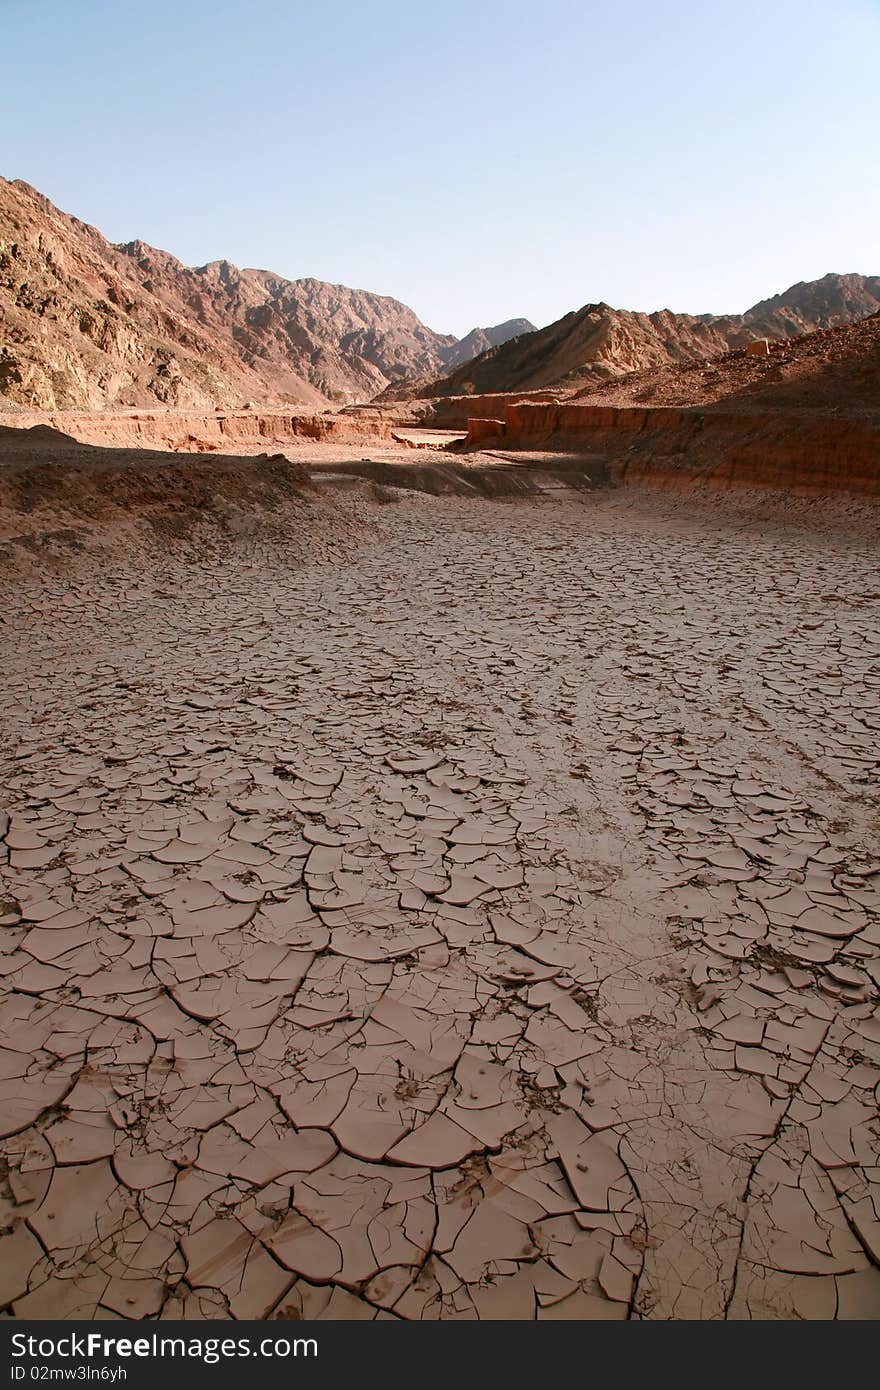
[597, 344]
[831, 370]
[827, 303]
[87, 323]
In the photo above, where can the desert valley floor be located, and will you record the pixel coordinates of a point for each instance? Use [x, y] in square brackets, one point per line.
[482, 922]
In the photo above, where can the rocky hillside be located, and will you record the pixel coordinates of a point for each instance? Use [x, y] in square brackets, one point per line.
[75, 332]
[348, 344]
[86, 324]
[831, 302]
[597, 344]
[89, 324]
[832, 371]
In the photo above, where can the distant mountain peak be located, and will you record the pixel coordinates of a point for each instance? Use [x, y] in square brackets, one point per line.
[480, 340]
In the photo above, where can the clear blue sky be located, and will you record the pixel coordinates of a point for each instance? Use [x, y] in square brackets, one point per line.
[477, 160]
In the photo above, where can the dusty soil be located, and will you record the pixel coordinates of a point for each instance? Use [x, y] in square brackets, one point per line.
[67, 507]
[482, 925]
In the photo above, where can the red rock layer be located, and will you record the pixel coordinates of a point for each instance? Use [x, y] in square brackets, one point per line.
[679, 447]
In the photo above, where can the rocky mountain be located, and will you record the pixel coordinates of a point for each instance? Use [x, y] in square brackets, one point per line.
[348, 344]
[75, 332]
[480, 340]
[831, 302]
[596, 344]
[89, 324]
[828, 371]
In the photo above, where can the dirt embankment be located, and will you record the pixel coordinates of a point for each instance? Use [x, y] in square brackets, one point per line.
[675, 448]
[257, 428]
[200, 432]
[62, 501]
[488, 477]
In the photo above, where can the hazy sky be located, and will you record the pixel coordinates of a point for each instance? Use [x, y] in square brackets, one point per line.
[477, 160]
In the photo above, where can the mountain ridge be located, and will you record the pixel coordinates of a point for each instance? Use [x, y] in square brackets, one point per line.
[598, 343]
[89, 323]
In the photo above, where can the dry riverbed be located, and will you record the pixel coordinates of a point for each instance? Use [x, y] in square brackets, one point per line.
[485, 925]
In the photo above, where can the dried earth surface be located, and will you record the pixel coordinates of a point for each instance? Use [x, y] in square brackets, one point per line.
[437, 907]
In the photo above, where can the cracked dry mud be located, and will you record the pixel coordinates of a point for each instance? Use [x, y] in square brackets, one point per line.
[486, 927]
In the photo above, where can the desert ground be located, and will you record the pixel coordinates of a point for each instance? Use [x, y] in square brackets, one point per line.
[451, 906]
